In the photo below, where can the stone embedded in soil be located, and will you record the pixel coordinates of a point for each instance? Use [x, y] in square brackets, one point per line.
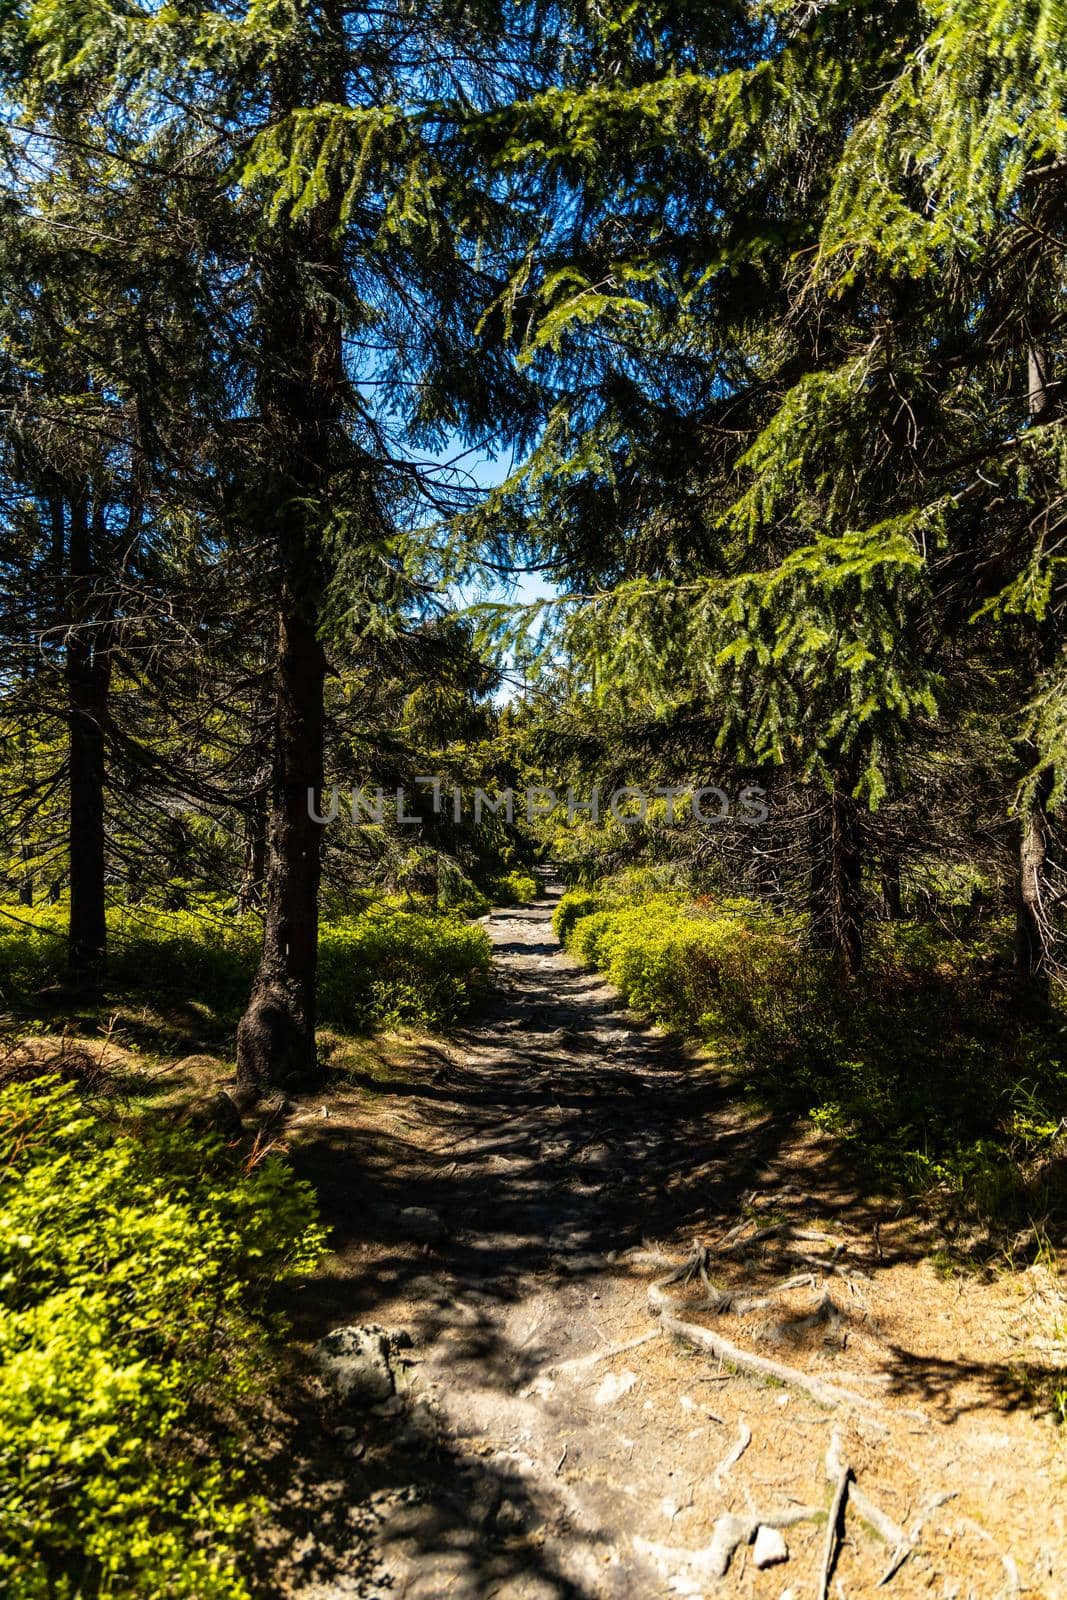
[357, 1362]
[510, 1518]
[598, 1155]
[769, 1548]
[419, 1223]
[614, 1386]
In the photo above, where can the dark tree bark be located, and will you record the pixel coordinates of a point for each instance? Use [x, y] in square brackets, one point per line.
[1032, 940]
[837, 879]
[25, 853]
[261, 747]
[892, 893]
[301, 412]
[302, 395]
[253, 868]
[88, 678]
[276, 1035]
[1033, 944]
[26, 881]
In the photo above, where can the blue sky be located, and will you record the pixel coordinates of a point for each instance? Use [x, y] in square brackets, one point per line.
[486, 471]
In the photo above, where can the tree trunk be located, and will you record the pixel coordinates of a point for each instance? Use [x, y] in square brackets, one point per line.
[1032, 934]
[26, 881]
[253, 868]
[1039, 384]
[26, 885]
[837, 880]
[261, 745]
[301, 392]
[1033, 941]
[892, 891]
[276, 1035]
[88, 676]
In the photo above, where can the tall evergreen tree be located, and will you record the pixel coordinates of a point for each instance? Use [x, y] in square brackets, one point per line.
[375, 234]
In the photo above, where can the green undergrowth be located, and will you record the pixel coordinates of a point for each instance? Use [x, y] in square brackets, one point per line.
[515, 888]
[386, 965]
[918, 1065]
[389, 968]
[135, 1352]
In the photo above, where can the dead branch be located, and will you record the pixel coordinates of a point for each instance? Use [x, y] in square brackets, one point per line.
[577, 1363]
[744, 1439]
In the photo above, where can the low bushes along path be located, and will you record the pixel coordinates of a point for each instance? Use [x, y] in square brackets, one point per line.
[595, 1250]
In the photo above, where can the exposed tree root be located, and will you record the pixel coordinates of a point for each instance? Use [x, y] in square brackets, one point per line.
[1011, 1572]
[729, 1532]
[824, 1394]
[732, 1530]
[842, 1473]
[736, 1241]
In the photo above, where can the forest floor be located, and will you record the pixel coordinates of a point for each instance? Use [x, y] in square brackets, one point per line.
[509, 1202]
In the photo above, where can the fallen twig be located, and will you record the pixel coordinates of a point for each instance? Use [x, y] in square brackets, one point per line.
[744, 1439]
[576, 1363]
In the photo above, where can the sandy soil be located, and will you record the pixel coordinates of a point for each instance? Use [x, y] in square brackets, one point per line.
[555, 1155]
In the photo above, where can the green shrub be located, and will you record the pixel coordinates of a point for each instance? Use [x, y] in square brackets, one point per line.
[698, 970]
[462, 896]
[389, 967]
[917, 1064]
[388, 964]
[515, 888]
[624, 891]
[574, 905]
[33, 949]
[132, 1265]
[151, 951]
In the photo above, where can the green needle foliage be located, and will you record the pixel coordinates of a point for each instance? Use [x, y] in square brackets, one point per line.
[133, 1351]
[809, 473]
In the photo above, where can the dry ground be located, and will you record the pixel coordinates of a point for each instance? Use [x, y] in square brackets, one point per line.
[566, 1156]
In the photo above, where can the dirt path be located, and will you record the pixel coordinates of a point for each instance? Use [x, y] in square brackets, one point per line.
[495, 1202]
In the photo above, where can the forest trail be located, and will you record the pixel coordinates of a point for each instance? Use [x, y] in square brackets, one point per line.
[505, 1203]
